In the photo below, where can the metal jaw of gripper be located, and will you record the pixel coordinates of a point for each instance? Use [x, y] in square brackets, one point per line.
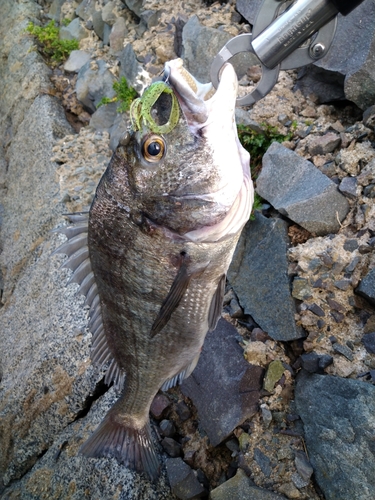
[286, 35]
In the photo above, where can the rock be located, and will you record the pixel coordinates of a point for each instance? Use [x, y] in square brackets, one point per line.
[369, 117]
[104, 117]
[323, 144]
[131, 69]
[243, 118]
[303, 465]
[135, 6]
[54, 10]
[339, 418]
[274, 373]
[74, 31]
[369, 342]
[240, 487]
[76, 60]
[249, 10]
[183, 411]
[297, 189]
[98, 23]
[159, 406]
[117, 36]
[183, 481]
[94, 82]
[259, 276]
[86, 9]
[108, 14]
[167, 428]
[348, 187]
[224, 405]
[171, 447]
[118, 130]
[315, 363]
[325, 86]
[201, 44]
[263, 461]
[366, 288]
[301, 289]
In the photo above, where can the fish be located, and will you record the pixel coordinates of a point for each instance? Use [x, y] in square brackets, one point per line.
[152, 253]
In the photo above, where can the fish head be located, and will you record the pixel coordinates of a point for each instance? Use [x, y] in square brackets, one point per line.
[186, 168]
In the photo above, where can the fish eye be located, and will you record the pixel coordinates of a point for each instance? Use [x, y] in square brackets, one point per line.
[153, 148]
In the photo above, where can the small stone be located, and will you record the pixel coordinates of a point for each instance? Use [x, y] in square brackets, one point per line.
[244, 441]
[290, 491]
[171, 447]
[369, 342]
[337, 316]
[258, 334]
[266, 415]
[274, 373]
[310, 362]
[183, 411]
[325, 360]
[342, 284]
[233, 445]
[348, 187]
[235, 309]
[314, 308]
[76, 60]
[240, 487]
[303, 465]
[350, 267]
[364, 249]
[263, 461]
[117, 36]
[344, 350]
[301, 289]
[159, 406]
[367, 287]
[350, 245]
[321, 145]
[74, 31]
[298, 481]
[167, 428]
[183, 481]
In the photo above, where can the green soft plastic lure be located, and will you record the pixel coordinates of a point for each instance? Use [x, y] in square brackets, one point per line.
[140, 110]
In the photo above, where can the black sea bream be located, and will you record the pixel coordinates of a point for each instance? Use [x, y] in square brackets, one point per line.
[152, 254]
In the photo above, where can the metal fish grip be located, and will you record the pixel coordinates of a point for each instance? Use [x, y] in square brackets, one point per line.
[286, 35]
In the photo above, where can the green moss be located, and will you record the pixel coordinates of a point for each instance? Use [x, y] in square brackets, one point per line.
[257, 205]
[49, 43]
[124, 95]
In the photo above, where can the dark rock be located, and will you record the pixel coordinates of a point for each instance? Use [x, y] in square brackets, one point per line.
[94, 82]
[337, 316]
[324, 144]
[249, 10]
[259, 335]
[85, 9]
[240, 487]
[259, 275]
[325, 360]
[339, 421]
[303, 465]
[296, 188]
[310, 362]
[314, 308]
[183, 482]
[263, 461]
[353, 264]
[159, 406]
[351, 245]
[118, 130]
[201, 44]
[98, 24]
[224, 387]
[130, 68]
[342, 284]
[369, 117]
[183, 411]
[104, 117]
[348, 187]
[167, 428]
[326, 86]
[171, 447]
[369, 342]
[366, 288]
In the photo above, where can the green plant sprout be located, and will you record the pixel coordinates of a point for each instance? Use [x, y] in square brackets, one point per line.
[124, 95]
[257, 205]
[257, 143]
[49, 43]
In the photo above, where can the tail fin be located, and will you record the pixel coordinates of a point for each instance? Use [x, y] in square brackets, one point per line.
[130, 446]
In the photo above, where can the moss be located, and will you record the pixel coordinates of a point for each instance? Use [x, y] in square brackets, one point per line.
[124, 95]
[49, 43]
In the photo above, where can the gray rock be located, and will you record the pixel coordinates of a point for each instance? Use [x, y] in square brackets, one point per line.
[348, 187]
[86, 9]
[339, 420]
[200, 46]
[367, 287]
[130, 68]
[248, 10]
[108, 15]
[76, 60]
[135, 6]
[369, 117]
[296, 188]
[98, 23]
[263, 461]
[183, 481]
[323, 144]
[369, 342]
[74, 31]
[326, 86]
[117, 35]
[171, 447]
[118, 130]
[225, 405]
[259, 276]
[55, 10]
[243, 118]
[94, 82]
[240, 487]
[104, 117]
[106, 33]
[167, 428]
[151, 18]
[303, 465]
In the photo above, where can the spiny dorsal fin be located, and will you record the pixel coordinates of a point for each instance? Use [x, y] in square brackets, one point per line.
[214, 313]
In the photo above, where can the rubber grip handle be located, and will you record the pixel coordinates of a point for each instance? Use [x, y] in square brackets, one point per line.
[346, 6]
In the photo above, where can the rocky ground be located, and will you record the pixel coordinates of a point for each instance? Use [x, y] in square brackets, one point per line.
[281, 404]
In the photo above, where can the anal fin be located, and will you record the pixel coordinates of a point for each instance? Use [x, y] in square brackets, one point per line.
[216, 306]
[130, 446]
[179, 377]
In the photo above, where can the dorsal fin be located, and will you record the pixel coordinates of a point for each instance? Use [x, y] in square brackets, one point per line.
[76, 248]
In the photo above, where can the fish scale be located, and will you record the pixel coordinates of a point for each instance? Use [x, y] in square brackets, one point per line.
[152, 262]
